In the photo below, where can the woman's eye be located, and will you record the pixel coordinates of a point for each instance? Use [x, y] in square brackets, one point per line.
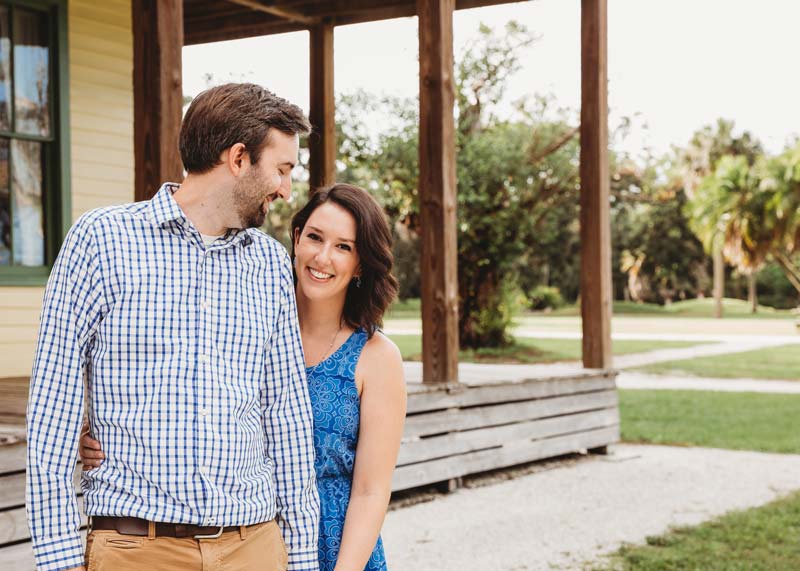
[345, 247]
[313, 236]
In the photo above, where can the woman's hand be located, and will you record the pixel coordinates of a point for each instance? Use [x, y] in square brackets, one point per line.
[89, 448]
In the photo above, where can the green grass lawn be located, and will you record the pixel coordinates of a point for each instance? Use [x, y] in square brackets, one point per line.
[690, 308]
[530, 350]
[738, 421]
[766, 538]
[781, 362]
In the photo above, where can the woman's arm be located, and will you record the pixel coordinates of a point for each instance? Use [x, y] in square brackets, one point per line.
[383, 411]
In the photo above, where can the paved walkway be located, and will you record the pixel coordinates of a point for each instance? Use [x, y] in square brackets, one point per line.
[634, 380]
[574, 512]
[481, 373]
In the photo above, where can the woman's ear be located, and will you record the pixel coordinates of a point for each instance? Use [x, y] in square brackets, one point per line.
[296, 236]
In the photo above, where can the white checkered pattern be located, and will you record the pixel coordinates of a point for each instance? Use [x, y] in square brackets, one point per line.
[195, 383]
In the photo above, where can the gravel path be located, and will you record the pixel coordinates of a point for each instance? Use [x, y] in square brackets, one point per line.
[575, 512]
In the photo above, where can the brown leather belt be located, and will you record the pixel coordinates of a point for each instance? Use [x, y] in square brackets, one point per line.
[141, 527]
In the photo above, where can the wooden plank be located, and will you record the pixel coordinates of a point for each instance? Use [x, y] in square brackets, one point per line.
[236, 27]
[481, 417]
[493, 437]
[437, 191]
[510, 392]
[12, 458]
[22, 297]
[279, 11]
[17, 557]
[158, 94]
[12, 489]
[322, 140]
[415, 475]
[595, 281]
[13, 402]
[14, 524]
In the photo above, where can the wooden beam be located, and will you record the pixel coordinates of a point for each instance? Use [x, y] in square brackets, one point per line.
[595, 212]
[322, 140]
[235, 28]
[157, 93]
[285, 13]
[204, 25]
[437, 191]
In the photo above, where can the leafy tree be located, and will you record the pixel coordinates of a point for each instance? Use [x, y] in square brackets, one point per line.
[778, 211]
[697, 161]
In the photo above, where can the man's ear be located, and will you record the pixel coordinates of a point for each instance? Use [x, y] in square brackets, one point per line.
[236, 158]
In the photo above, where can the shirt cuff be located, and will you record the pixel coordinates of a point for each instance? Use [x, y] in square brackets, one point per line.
[303, 561]
[58, 553]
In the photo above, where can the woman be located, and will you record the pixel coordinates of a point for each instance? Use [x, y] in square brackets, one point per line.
[342, 260]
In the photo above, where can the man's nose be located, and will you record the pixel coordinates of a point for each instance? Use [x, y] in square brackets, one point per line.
[285, 188]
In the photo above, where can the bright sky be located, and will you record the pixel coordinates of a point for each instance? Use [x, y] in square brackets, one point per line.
[674, 64]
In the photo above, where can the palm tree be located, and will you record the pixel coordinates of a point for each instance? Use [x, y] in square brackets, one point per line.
[719, 213]
[698, 161]
[780, 216]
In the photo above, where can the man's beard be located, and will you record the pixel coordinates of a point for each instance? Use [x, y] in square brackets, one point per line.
[248, 196]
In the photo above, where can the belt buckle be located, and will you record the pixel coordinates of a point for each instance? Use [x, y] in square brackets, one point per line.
[213, 536]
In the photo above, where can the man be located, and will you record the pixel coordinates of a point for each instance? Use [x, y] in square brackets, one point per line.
[180, 318]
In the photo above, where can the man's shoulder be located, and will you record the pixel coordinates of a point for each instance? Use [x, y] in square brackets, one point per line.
[98, 216]
[268, 243]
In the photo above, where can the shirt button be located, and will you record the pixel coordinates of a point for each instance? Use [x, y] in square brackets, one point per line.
[203, 412]
[209, 520]
[205, 305]
[204, 358]
[204, 469]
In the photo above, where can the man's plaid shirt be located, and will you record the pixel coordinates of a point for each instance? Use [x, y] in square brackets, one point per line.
[190, 360]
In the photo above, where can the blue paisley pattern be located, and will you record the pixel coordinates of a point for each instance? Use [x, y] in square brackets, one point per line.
[334, 398]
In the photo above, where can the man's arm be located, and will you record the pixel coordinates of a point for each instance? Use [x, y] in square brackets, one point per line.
[73, 305]
[289, 426]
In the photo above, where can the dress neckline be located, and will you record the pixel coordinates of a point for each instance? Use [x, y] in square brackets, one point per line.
[335, 353]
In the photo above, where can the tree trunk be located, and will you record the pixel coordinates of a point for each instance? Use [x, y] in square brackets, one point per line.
[752, 295]
[719, 280]
[789, 269]
[483, 319]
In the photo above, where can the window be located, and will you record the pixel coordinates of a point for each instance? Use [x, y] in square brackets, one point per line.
[33, 173]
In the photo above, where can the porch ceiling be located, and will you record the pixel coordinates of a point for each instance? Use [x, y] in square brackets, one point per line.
[217, 20]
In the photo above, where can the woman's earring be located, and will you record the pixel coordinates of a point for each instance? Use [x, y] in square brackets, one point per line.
[358, 281]
[294, 262]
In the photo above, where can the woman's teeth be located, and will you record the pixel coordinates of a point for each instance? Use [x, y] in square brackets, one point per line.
[319, 275]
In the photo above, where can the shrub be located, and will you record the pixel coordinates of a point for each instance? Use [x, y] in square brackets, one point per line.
[545, 297]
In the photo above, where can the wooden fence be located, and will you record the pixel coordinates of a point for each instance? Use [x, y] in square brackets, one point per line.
[449, 434]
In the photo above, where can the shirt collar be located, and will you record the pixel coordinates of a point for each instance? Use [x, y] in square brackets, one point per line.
[164, 210]
[163, 207]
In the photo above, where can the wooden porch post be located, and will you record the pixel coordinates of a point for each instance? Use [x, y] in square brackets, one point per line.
[157, 93]
[437, 191]
[322, 141]
[595, 212]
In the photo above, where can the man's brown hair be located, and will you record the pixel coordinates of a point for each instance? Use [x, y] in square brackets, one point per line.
[222, 116]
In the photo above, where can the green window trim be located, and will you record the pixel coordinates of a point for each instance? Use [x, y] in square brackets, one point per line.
[57, 204]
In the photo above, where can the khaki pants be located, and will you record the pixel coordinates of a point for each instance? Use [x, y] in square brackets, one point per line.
[254, 548]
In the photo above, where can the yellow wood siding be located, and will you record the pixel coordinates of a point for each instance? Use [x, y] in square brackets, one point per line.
[101, 127]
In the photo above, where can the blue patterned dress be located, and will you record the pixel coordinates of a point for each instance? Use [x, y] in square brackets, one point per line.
[334, 398]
